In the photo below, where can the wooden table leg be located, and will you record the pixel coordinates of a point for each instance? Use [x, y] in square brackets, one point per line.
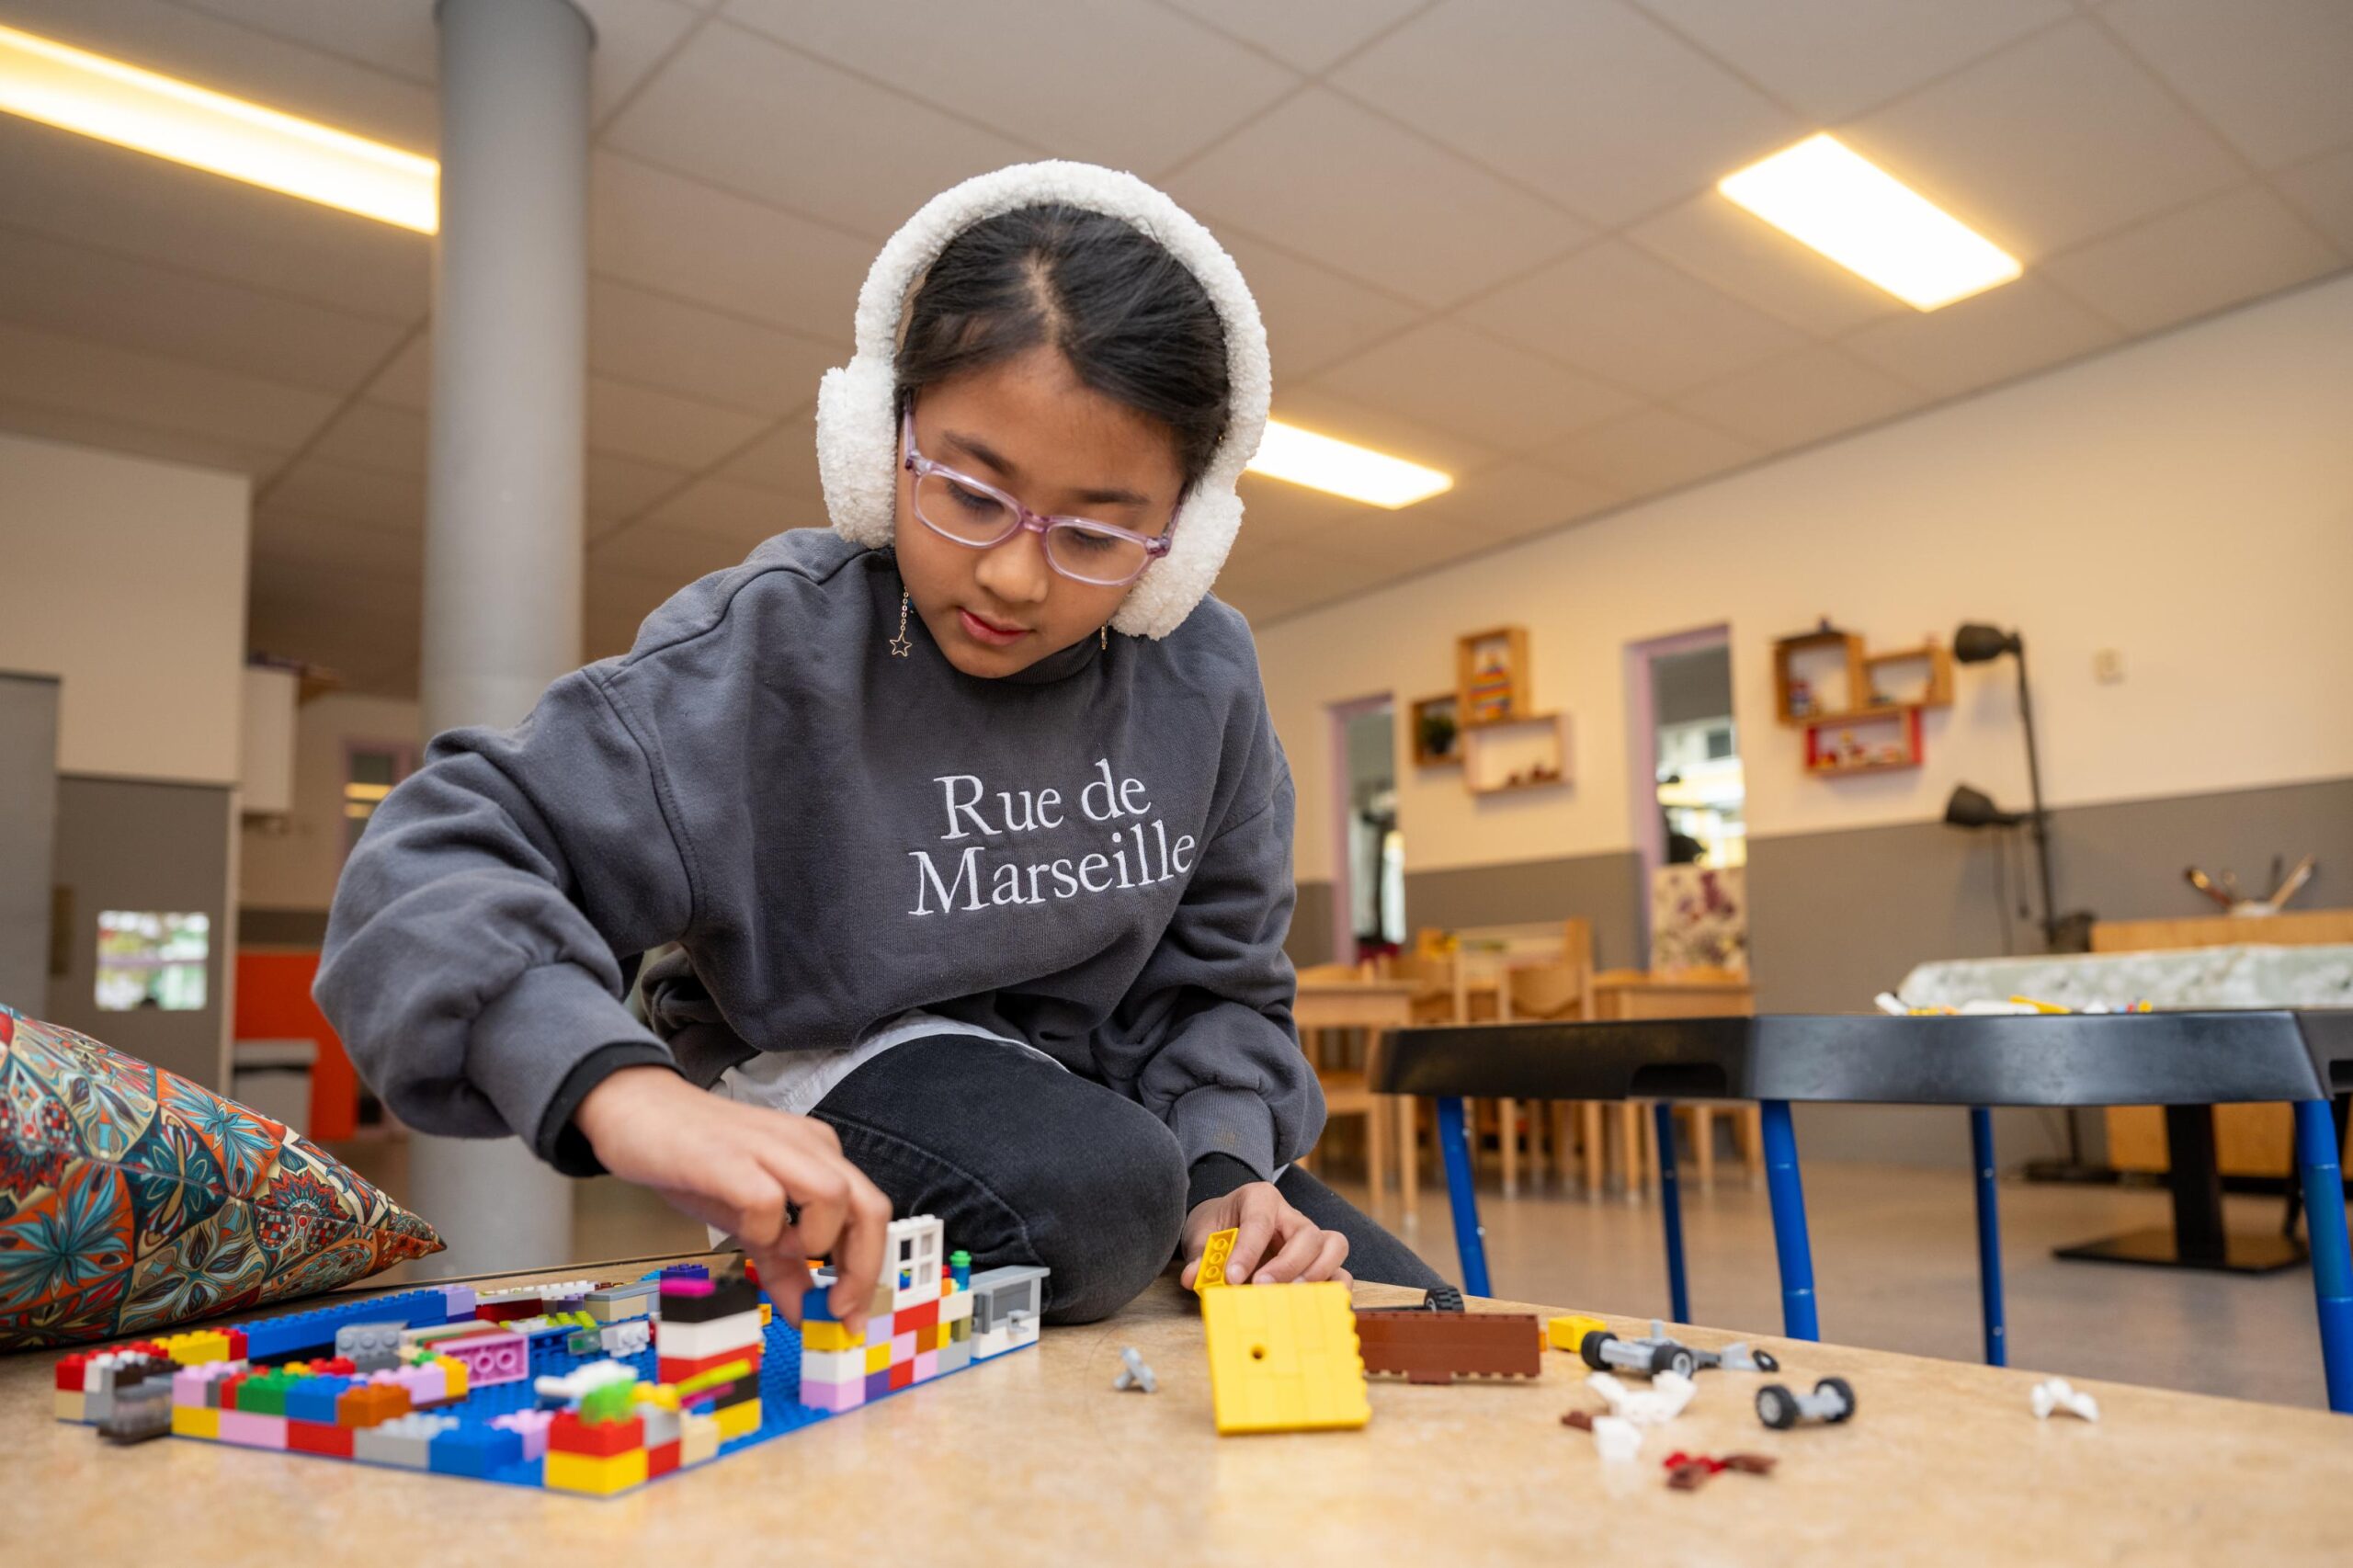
[1630, 1150]
[1376, 1144]
[1751, 1125]
[1589, 1129]
[1508, 1130]
[1704, 1143]
[1409, 1155]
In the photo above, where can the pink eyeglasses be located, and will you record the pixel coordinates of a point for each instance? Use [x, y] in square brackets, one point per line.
[966, 511]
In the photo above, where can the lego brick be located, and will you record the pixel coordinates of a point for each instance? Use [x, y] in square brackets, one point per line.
[473, 1450]
[960, 1331]
[1219, 1247]
[692, 1340]
[926, 1365]
[507, 1312]
[322, 1437]
[836, 1397]
[141, 1413]
[271, 1338]
[902, 1348]
[596, 1477]
[370, 1404]
[457, 1302]
[405, 1442]
[530, 1426]
[1568, 1333]
[369, 1347]
[660, 1426]
[955, 1357]
[626, 1339]
[878, 1358]
[698, 1439]
[901, 1374]
[570, 1435]
[1437, 1348]
[315, 1399]
[725, 1375]
[717, 1300]
[918, 1317]
[70, 1370]
[681, 1370]
[957, 1308]
[195, 1421]
[247, 1430]
[736, 1393]
[817, 1336]
[69, 1404]
[661, 1458]
[1284, 1357]
[832, 1366]
[878, 1384]
[490, 1359]
[738, 1420]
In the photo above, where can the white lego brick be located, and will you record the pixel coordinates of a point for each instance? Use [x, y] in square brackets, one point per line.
[832, 1366]
[955, 1308]
[693, 1341]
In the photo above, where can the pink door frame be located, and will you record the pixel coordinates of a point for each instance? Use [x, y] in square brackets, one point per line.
[1641, 755]
[1343, 872]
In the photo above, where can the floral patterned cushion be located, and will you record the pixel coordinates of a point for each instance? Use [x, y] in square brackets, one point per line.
[131, 1198]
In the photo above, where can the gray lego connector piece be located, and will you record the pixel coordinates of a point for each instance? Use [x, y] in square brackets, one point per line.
[1134, 1374]
[369, 1347]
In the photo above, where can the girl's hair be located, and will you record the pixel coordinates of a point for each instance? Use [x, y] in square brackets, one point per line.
[1135, 325]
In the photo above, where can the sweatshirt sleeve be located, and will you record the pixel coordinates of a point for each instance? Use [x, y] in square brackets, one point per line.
[1211, 1011]
[470, 962]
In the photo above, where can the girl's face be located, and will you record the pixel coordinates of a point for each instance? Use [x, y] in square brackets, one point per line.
[1029, 427]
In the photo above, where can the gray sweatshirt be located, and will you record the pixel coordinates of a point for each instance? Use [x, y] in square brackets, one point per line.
[1093, 856]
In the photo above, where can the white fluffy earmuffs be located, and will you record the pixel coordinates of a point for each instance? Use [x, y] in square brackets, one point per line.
[857, 433]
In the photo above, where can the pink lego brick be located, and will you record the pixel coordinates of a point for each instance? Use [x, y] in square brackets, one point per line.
[188, 1384]
[250, 1431]
[902, 1348]
[532, 1425]
[835, 1397]
[926, 1365]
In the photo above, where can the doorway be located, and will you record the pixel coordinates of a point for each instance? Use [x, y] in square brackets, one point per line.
[1369, 850]
[1687, 791]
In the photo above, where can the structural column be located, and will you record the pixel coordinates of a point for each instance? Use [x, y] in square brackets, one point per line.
[502, 531]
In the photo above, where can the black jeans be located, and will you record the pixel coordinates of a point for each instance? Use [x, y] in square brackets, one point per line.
[1025, 1163]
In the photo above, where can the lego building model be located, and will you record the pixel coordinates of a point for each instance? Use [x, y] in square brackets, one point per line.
[583, 1387]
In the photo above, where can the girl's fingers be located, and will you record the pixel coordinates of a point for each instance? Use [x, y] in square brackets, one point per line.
[819, 1186]
[1302, 1242]
[1331, 1252]
[1255, 1229]
[859, 1255]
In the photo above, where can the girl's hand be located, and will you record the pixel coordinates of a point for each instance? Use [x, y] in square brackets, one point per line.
[1278, 1244]
[747, 1170]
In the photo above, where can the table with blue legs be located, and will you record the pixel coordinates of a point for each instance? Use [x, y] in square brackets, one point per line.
[2166, 1058]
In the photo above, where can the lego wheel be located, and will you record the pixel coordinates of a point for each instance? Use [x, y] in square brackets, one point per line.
[1590, 1348]
[1443, 1299]
[1777, 1407]
[1674, 1359]
[1844, 1392]
[1766, 1360]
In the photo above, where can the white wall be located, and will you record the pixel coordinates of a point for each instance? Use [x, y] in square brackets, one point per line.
[291, 862]
[2186, 500]
[126, 577]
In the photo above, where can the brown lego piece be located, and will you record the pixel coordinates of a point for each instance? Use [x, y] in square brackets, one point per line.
[1438, 1347]
[1580, 1419]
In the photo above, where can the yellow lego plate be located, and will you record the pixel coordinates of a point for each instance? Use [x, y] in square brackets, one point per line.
[1284, 1358]
[1213, 1256]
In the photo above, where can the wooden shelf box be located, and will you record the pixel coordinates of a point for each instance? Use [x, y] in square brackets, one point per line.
[1531, 753]
[1491, 677]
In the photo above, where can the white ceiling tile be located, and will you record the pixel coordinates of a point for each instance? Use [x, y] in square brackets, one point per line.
[741, 112]
[75, 374]
[1327, 179]
[617, 488]
[2224, 250]
[1988, 338]
[673, 556]
[690, 241]
[1450, 377]
[316, 487]
[700, 353]
[1830, 59]
[2046, 144]
[785, 458]
[83, 429]
[2323, 190]
[633, 37]
[406, 381]
[1802, 397]
[1546, 95]
[1307, 34]
[111, 198]
[294, 538]
[1119, 82]
[1648, 451]
[1758, 265]
[133, 304]
[741, 515]
[1283, 582]
[661, 427]
[1508, 500]
[1313, 315]
[375, 435]
[359, 622]
[1615, 312]
[1326, 412]
[2275, 76]
[1275, 511]
[210, 53]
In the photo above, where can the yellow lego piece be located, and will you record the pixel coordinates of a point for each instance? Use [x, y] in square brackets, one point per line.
[1213, 1256]
[661, 1396]
[941, 1335]
[599, 1477]
[767, 1315]
[1284, 1358]
[1568, 1333]
[196, 1421]
[831, 1336]
[453, 1375]
[727, 1372]
[878, 1358]
[69, 1404]
[197, 1346]
[735, 1420]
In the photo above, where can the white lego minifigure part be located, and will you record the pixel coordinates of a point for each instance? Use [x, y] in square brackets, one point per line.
[2057, 1393]
[1618, 1440]
[577, 1384]
[1665, 1400]
[914, 1248]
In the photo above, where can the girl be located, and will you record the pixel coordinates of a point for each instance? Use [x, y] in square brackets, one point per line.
[979, 907]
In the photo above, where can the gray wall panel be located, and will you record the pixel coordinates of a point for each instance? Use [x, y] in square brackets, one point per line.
[27, 834]
[138, 844]
[1604, 889]
[1310, 942]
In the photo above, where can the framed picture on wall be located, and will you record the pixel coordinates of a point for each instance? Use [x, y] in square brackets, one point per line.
[1438, 733]
[1491, 676]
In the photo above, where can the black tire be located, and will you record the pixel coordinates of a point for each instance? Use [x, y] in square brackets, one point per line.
[1766, 1360]
[1844, 1392]
[1777, 1407]
[1673, 1359]
[1443, 1299]
[1590, 1348]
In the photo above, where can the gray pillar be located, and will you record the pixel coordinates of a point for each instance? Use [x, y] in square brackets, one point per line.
[502, 531]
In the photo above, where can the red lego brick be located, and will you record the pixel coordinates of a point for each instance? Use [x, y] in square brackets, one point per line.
[678, 1369]
[236, 1344]
[339, 1367]
[503, 1312]
[902, 1375]
[570, 1435]
[318, 1438]
[229, 1389]
[72, 1371]
[922, 1317]
[662, 1460]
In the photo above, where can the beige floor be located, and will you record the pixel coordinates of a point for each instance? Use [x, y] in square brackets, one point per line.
[1896, 1263]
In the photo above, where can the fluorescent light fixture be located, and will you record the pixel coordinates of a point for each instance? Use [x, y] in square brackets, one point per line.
[1824, 194]
[1322, 462]
[75, 90]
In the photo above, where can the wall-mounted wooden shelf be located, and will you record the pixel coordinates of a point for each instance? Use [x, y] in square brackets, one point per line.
[1873, 692]
[1540, 739]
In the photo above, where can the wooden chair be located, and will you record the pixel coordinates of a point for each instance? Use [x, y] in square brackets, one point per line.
[1562, 991]
[1680, 994]
[1346, 1083]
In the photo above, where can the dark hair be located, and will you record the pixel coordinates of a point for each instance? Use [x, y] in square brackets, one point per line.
[1134, 323]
